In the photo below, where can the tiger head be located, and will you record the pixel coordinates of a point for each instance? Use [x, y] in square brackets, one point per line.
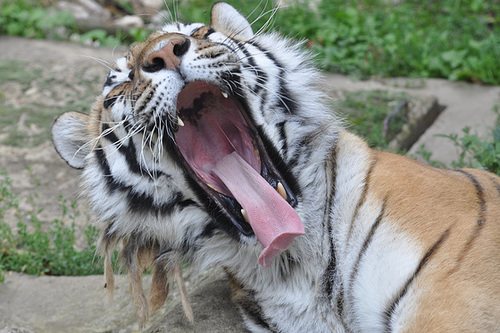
[204, 132]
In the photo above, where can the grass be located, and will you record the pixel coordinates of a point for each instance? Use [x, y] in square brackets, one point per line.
[366, 111]
[27, 18]
[474, 151]
[39, 248]
[453, 39]
[28, 125]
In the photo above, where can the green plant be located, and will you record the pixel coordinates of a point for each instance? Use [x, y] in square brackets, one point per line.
[101, 36]
[474, 151]
[27, 19]
[38, 248]
[452, 39]
[366, 112]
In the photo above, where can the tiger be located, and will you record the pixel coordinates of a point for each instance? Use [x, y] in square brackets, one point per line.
[213, 145]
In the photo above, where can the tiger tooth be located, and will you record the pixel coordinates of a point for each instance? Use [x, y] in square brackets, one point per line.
[180, 122]
[281, 190]
[244, 215]
[224, 94]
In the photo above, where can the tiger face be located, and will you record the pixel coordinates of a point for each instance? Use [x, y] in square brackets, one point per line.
[199, 124]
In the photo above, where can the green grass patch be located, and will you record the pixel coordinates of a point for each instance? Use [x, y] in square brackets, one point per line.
[474, 151]
[28, 18]
[457, 40]
[452, 39]
[14, 70]
[39, 248]
[366, 111]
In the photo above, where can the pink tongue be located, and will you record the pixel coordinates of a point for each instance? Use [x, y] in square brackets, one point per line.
[273, 220]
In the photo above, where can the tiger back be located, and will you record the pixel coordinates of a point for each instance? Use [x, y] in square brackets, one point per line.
[213, 145]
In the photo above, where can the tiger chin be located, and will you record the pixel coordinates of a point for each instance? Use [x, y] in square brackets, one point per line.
[213, 145]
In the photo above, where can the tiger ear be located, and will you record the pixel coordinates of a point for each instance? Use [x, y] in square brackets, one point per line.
[69, 135]
[227, 20]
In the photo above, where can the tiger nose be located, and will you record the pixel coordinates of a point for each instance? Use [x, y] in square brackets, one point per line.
[168, 56]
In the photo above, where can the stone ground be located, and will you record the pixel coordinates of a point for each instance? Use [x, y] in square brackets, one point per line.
[50, 78]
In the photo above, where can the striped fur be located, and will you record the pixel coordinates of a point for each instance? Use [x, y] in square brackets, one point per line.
[390, 245]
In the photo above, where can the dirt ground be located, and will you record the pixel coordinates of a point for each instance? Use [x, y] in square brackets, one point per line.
[38, 81]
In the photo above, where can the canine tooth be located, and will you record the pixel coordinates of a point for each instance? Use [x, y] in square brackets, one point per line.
[224, 94]
[281, 190]
[244, 215]
[180, 122]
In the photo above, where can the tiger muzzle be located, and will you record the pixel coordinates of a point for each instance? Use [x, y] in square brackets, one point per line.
[166, 54]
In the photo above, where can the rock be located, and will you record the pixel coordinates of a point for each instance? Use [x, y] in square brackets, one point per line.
[221, 316]
[160, 19]
[153, 4]
[147, 7]
[64, 304]
[50, 304]
[129, 22]
[421, 113]
[86, 13]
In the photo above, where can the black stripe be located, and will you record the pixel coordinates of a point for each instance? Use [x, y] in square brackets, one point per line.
[142, 203]
[245, 300]
[111, 183]
[480, 196]
[340, 305]
[361, 200]
[128, 151]
[467, 247]
[209, 32]
[329, 275]
[366, 244]
[479, 225]
[282, 133]
[109, 79]
[110, 135]
[288, 103]
[208, 231]
[252, 66]
[108, 101]
[392, 306]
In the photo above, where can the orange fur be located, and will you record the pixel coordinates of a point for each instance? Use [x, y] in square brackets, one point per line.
[426, 203]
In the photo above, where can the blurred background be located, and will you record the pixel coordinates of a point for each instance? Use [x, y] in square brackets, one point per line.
[457, 40]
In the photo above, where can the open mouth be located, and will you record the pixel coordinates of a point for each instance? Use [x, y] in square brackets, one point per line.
[224, 154]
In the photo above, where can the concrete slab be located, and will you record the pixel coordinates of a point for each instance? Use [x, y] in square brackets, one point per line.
[50, 304]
